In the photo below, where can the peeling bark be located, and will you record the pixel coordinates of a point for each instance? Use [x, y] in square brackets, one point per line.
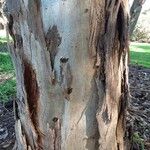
[71, 65]
[32, 92]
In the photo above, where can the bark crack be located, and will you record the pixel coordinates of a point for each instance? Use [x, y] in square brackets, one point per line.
[56, 134]
[82, 113]
[66, 77]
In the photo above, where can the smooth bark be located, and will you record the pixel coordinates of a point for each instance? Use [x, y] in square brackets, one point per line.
[135, 11]
[71, 66]
[1, 17]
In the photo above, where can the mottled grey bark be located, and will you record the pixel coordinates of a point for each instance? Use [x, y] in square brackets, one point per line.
[1, 17]
[71, 65]
[135, 11]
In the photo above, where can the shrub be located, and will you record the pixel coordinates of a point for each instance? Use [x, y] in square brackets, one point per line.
[140, 34]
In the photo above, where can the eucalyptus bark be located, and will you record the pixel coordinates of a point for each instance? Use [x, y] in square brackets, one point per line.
[71, 66]
[135, 11]
[1, 17]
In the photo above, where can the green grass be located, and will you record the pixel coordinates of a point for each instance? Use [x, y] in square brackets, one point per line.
[140, 54]
[7, 75]
[3, 39]
[5, 62]
[136, 139]
[7, 90]
[3, 44]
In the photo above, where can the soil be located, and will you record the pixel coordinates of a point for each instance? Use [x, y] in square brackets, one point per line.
[138, 116]
[7, 133]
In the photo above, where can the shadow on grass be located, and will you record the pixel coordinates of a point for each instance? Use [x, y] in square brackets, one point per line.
[7, 90]
[3, 46]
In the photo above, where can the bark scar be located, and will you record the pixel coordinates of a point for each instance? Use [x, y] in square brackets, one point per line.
[32, 91]
[56, 134]
[10, 28]
[65, 77]
[53, 40]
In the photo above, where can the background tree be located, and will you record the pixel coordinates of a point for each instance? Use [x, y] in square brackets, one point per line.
[135, 11]
[1, 17]
[71, 67]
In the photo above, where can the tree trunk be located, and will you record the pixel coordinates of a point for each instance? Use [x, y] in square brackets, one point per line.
[71, 61]
[1, 17]
[135, 11]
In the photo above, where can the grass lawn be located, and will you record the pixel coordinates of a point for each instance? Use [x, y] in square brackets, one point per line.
[7, 74]
[140, 54]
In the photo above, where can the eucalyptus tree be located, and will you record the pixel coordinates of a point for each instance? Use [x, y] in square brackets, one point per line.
[71, 61]
[135, 11]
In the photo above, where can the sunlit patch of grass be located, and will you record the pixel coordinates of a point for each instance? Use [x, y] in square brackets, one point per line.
[3, 39]
[140, 54]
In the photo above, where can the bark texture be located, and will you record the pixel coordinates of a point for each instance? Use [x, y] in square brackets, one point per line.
[135, 11]
[2, 21]
[71, 65]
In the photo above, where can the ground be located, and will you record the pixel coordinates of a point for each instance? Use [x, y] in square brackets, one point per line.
[138, 116]
[138, 120]
[7, 134]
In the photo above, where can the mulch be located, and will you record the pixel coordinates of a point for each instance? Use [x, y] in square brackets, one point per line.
[7, 133]
[138, 118]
